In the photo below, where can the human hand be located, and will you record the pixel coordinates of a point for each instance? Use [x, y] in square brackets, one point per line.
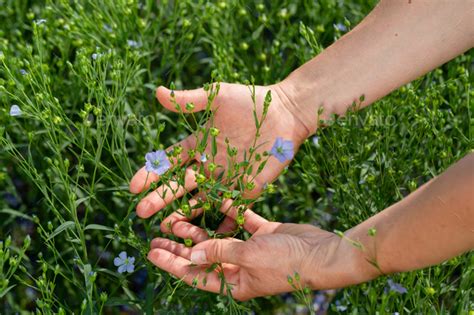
[261, 265]
[235, 122]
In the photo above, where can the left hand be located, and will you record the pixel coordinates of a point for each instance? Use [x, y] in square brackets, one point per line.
[233, 118]
[259, 266]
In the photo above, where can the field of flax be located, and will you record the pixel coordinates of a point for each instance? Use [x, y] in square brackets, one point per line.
[78, 114]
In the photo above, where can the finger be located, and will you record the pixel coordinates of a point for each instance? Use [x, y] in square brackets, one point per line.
[181, 250]
[222, 250]
[171, 246]
[165, 194]
[143, 179]
[257, 189]
[166, 225]
[252, 221]
[187, 230]
[197, 97]
[183, 269]
[228, 225]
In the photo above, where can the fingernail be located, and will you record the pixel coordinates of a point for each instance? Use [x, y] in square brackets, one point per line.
[149, 256]
[199, 257]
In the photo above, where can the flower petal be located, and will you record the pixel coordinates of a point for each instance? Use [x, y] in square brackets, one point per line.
[149, 157]
[118, 261]
[130, 268]
[281, 157]
[123, 255]
[149, 166]
[122, 268]
[15, 110]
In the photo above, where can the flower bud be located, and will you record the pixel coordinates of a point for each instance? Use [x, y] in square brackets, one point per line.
[430, 291]
[214, 132]
[244, 46]
[186, 209]
[240, 220]
[297, 276]
[190, 107]
[8, 241]
[83, 305]
[103, 297]
[250, 185]
[27, 242]
[212, 167]
[200, 178]
[188, 242]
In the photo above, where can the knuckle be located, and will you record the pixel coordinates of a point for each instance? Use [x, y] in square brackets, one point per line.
[214, 252]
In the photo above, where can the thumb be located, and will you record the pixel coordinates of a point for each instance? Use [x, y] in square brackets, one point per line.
[223, 251]
[197, 97]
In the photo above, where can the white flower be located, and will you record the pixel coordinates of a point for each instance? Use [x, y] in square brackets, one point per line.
[316, 141]
[15, 111]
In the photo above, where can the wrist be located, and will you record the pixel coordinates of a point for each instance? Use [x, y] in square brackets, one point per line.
[342, 265]
[292, 98]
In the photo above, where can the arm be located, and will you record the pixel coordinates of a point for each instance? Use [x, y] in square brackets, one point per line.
[397, 42]
[434, 223]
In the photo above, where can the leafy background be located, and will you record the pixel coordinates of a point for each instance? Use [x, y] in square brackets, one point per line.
[89, 116]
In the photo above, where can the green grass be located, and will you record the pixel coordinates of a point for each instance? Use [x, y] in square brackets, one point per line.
[87, 124]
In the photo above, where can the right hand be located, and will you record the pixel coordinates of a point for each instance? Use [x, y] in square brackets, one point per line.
[261, 265]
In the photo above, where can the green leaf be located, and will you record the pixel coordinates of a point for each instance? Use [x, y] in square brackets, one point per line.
[4, 292]
[213, 146]
[98, 227]
[261, 166]
[16, 213]
[81, 200]
[61, 228]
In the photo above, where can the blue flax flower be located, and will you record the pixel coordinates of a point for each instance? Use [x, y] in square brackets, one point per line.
[40, 21]
[157, 162]
[396, 287]
[124, 263]
[133, 43]
[283, 150]
[15, 110]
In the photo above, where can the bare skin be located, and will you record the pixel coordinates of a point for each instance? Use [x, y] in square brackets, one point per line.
[396, 43]
[432, 224]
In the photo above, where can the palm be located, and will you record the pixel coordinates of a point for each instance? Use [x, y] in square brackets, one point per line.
[234, 118]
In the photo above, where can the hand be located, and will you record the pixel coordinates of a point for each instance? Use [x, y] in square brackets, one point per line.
[234, 118]
[261, 265]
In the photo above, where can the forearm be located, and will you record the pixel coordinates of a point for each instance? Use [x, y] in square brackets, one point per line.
[396, 43]
[434, 223]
